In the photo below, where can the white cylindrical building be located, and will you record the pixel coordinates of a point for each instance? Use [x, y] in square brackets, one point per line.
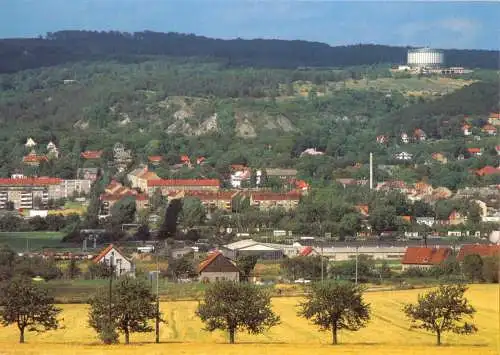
[425, 58]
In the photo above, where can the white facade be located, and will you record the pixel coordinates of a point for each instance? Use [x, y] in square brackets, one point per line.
[121, 265]
[403, 156]
[425, 58]
[219, 276]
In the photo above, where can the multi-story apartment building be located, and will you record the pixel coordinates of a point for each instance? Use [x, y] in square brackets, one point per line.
[167, 186]
[23, 192]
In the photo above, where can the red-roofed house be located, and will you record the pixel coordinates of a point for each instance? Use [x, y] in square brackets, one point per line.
[456, 218]
[112, 256]
[301, 185]
[166, 185]
[420, 135]
[382, 139]
[363, 209]
[33, 159]
[91, 154]
[155, 159]
[217, 267]
[424, 258]
[487, 170]
[267, 200]
[308, 251]
[478, 249]
[108, 200]
[475, 152]
[200, 160]
[185, 160]
[466, 129]
[494, 119]
[497, 148]
[489, 129]
[24, 191]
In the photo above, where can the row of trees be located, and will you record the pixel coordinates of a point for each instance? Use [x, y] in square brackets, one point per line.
[228, 306]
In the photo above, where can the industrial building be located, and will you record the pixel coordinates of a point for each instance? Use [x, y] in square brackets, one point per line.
[425, 58]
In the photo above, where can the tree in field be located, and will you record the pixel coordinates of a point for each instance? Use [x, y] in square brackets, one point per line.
[336, 306]
[73, 270]
[442, 310]
[132, 307]
[232, 306]
[472, 267]
[193, 212]
[28, 306]
[246, 264]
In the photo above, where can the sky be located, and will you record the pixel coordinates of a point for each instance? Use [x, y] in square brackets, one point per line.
[470, 25]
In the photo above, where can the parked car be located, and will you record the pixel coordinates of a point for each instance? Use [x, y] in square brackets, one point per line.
[302, 281]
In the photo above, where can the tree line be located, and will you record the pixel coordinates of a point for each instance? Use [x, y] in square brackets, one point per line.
[130, 306]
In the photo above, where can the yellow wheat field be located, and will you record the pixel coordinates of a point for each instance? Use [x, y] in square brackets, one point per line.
[388, 333]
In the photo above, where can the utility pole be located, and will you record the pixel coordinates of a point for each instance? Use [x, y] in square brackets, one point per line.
[157, 318]
[356, 277]
[111, 260]
[371, 171]
[321, 261]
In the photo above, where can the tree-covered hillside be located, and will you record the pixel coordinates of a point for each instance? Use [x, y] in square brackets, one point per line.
[72, 46]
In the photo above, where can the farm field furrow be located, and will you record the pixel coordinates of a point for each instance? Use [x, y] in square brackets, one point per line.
[387, 333]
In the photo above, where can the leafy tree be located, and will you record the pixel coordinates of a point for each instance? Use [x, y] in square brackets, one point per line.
[336, 306]
[28, 306]
[168, 228]
[308, 267]
[73, 269]
[246, 264]
[442, 310]
[132, 307]
[472, 267]
[491, 267]
[232, 306]
[182, 266]
[193, 212]
[123, 211]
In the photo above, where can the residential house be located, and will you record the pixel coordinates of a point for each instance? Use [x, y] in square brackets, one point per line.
[494, 119]
[185, 160]
[497, 148]
[478, 249]
[308, 251]
[30, 143]
[440, 157]
[200, 160]
[282, 174]
[91, 154]
[390, 185]
[349, 253]
[34, 159]
[121, 156]
[155, 159]
[487, 170]
[87, 173]
[476, 152]
[109, 200]
[212, 200]
[113, 257]
[404, 138]
[170, 185]
[52, 151]
[428, 221]
[420, 135]
[363, 210]
[382, 139]
[403, 156]
[217, 267]
[424, 257]
[312, 152]
[301, 185]
[489, 129]
[69, 188]
[178, 253]
[422, 188]
[238, 177]
[456, 218]
[351, 182]
[467, 129]
[267, 200]
[139, 178]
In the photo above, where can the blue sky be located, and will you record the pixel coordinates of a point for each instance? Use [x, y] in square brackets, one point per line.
[429, 23]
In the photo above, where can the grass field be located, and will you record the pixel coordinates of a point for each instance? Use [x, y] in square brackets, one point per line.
[387, 333]
[34, 241]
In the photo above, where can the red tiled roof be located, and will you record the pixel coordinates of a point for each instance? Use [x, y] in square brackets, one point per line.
[474, 150]
[30, 181]
[494, 115]
[33, 158]
[208, 260]
[105, 251]
[276, 196]
[481, 250]
[118, 196]
[363, 209]
[155, 158]
[185, 159]
[212, 195]
[489, 127]
[425, 256]
[497, 148]
[487, 170]
[238, 167]
[91, 154]
[306, 251]
[184, 182]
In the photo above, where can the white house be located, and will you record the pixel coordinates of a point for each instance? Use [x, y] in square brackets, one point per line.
[404, 138]
[30, 143]
[428, 221]
[405, 156]
[239, 176]
[112, 256]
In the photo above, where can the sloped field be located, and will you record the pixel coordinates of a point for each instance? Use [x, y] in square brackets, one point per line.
[387, 333]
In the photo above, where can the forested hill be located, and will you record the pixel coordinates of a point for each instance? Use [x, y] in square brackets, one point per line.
[70, 46]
